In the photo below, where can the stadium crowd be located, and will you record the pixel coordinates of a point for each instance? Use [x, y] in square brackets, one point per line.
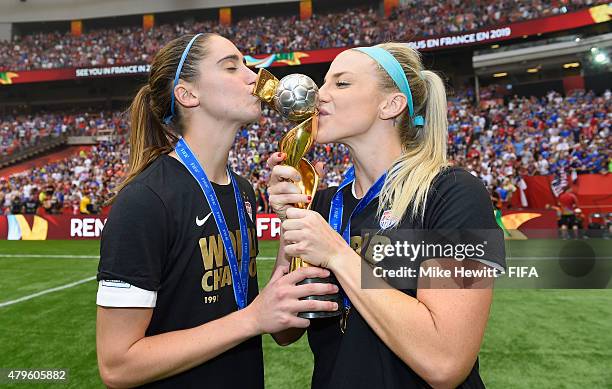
[77, 184]
[498, 141]
[551, 135]
[21, 131]
[263, 35]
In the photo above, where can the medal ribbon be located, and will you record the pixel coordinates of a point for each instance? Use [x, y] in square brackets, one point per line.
[337, 209]
[240, 279]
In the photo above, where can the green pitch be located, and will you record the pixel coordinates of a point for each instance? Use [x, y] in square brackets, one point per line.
[535, 338]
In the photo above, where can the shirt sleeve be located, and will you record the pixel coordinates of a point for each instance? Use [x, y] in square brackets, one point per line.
[460, 202]
[133, 248]
[119, 294]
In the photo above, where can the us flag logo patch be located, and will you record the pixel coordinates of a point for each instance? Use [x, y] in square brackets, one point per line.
[387, 220]
[249, 209]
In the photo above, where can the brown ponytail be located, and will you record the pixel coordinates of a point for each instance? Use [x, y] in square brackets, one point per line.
[149, 136]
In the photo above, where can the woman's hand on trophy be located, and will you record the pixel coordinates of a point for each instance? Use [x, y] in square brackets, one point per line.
[309, 236]
[276, 307]
[282, 190]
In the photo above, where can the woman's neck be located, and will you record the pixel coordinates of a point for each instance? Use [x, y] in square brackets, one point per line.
[372, 158]
[211, 148]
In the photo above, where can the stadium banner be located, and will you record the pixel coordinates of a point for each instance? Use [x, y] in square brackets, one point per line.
[528, 224]
[30, 76]
[106, 71]
[293, 58]
[585, 17]
[24, 77]
[50, 227]
[523, 224]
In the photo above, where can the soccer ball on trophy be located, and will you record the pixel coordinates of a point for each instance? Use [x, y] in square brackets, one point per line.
[296, 97]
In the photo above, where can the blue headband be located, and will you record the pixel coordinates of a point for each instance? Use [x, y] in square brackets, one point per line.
[168, 118]
[395, 71]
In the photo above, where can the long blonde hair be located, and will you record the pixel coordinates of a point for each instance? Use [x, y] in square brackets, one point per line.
[149, 135]
[423, 148]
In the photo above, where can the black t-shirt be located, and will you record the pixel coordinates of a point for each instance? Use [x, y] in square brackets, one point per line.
[16, 206]
[31, 206]
[359, 358]
[158, 237]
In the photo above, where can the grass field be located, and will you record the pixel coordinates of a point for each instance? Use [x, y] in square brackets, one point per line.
[534, 339]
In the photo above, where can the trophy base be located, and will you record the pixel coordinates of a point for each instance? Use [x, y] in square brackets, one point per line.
[336, 297]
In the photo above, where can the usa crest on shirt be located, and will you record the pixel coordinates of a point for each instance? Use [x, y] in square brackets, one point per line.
[387, 220]
[249, 209]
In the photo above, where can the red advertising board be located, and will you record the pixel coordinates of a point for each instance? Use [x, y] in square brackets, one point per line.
[28, 76]
[48, 227]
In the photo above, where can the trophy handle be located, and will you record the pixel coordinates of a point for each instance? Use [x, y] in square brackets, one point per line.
[308, 185]
[295, 144]
[265, 86]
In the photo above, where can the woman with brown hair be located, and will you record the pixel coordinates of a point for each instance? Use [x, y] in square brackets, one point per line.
[178, 302]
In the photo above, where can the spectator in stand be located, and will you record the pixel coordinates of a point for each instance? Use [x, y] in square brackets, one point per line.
[31, 204]
[85, 205]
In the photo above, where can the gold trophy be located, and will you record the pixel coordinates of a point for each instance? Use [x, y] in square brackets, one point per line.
[296, 97]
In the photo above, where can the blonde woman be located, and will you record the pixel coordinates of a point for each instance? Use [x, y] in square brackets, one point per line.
[391, 114]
